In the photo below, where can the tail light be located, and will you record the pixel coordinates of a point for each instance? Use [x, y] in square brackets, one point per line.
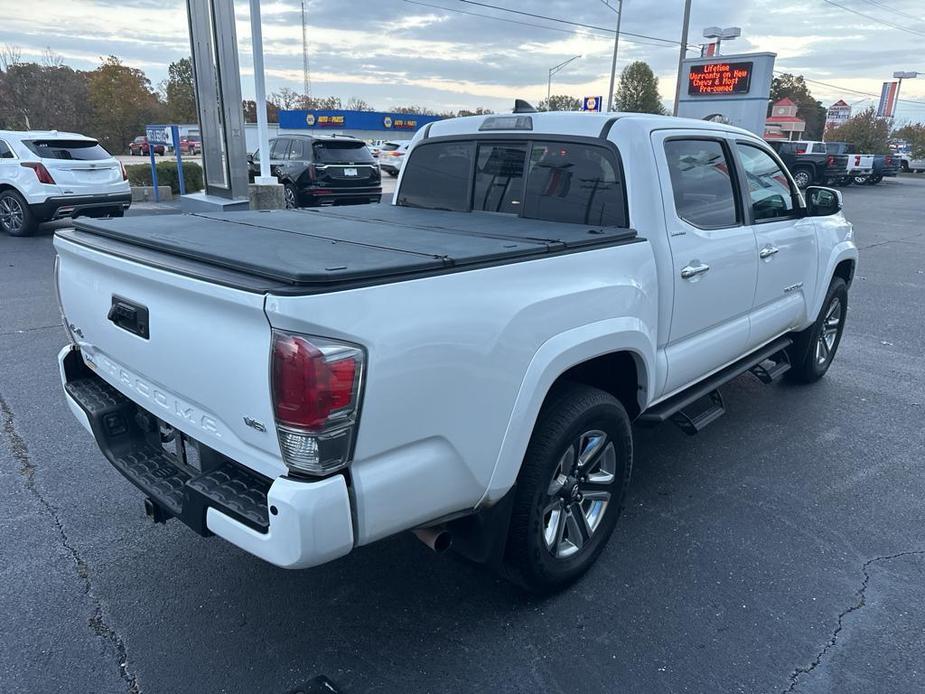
[830, 160]
[888, 160]
[801, 151]
[124, 172]
[40, 171]
[312, 173]
[316, 397]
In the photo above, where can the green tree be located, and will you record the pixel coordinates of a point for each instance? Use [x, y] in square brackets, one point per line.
[250, 111]
[868, 133]
[914, 134]
[46, 96]
[123, 103]
[559, 102]
[808, 108]
[180, 92]
[637, 90]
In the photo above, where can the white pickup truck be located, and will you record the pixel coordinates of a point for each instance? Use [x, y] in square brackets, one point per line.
[466, 362]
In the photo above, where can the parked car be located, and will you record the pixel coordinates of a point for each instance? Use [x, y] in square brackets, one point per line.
[191, 144]
[375, 146]
[909, 164]
[860, 166]
[809, 162]
[140, 147]
[391, 157]
[465, 363]
[884, 166]
[322, 170]
[47, 175]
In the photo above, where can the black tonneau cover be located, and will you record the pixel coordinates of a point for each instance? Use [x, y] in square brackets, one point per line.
[330, 247]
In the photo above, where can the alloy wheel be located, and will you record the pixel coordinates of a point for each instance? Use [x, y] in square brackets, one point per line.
[579, 493]
[11, 214]
[801, 178]
[290, 198]
[829, 333]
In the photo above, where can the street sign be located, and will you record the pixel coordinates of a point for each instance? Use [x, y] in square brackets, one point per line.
[592, 103]
[158, 134]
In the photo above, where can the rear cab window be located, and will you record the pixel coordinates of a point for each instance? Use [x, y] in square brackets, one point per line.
[550, 180]
[704, 193]
[79, 150]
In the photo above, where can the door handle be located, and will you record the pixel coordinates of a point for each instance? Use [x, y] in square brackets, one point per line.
[689, 271]
[768, 251]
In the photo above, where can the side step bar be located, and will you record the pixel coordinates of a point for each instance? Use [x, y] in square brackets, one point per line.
[678, 408]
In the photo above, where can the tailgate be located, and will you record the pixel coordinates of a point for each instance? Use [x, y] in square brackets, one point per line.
[204, 365]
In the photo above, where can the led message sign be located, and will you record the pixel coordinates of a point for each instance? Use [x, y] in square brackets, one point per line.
[718, 79]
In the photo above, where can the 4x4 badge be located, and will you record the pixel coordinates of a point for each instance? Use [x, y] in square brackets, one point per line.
[254, 424]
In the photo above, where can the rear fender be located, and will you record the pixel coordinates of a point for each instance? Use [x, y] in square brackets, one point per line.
[556, 356]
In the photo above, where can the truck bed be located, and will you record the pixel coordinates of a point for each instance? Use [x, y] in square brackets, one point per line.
[307, 251]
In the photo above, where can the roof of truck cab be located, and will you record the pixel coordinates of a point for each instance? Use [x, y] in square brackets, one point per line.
[576, 124]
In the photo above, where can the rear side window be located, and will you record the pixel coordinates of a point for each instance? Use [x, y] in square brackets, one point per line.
[700, 181]
[5, 151]
[81, 150]
[296, 150]
[348, 152]
[439, 177]
[574, 183]
[279, 149]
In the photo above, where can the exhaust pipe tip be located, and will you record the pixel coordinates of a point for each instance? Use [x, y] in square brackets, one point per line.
[438, 538]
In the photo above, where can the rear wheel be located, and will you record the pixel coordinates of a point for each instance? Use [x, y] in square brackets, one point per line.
[813, 349]
[291, 196]
[16, 218]
[570, 489]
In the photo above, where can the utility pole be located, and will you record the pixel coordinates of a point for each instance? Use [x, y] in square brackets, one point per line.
[613, 64]
[306, 75]
[683, 54]
[260, 88]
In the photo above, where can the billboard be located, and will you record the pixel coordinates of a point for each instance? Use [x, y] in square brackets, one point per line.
[719, 78]
[837, 113]
[353, 120]
[732, 88]
[887, 106]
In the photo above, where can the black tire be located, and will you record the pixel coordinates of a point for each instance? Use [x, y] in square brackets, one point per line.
[16, 217]
[574, 416]
[806, 352]
[874, 180]
[291, 196]
[803, 176]
[904, 166]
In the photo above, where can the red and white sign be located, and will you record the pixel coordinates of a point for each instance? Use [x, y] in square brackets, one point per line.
[887, 107]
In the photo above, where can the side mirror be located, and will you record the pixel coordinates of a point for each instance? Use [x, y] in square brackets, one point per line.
[822, 202]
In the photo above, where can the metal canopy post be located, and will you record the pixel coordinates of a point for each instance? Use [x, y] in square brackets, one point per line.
[213, 41]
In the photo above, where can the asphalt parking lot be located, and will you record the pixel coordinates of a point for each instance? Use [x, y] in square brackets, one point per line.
[780, 550]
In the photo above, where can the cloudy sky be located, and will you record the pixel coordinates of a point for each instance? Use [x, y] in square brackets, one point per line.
[450, 54]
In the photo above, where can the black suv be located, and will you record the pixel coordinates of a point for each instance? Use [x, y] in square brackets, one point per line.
[322, 170]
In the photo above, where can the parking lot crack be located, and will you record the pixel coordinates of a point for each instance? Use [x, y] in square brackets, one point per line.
[97, 622]
[859, 602]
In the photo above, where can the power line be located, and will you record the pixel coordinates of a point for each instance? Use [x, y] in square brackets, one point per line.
[871, 18]
[849, 90]
[580, 32]
[671, 42]
[892, 9]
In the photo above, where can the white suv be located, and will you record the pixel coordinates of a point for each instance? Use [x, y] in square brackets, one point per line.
[47, 175]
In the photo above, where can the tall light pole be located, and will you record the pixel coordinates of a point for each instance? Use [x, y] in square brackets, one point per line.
[683, 54]
[260, 88]
[613, 64]
[902, 75]
[552, 71]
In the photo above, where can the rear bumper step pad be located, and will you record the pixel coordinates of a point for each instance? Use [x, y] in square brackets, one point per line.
[179, 491]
